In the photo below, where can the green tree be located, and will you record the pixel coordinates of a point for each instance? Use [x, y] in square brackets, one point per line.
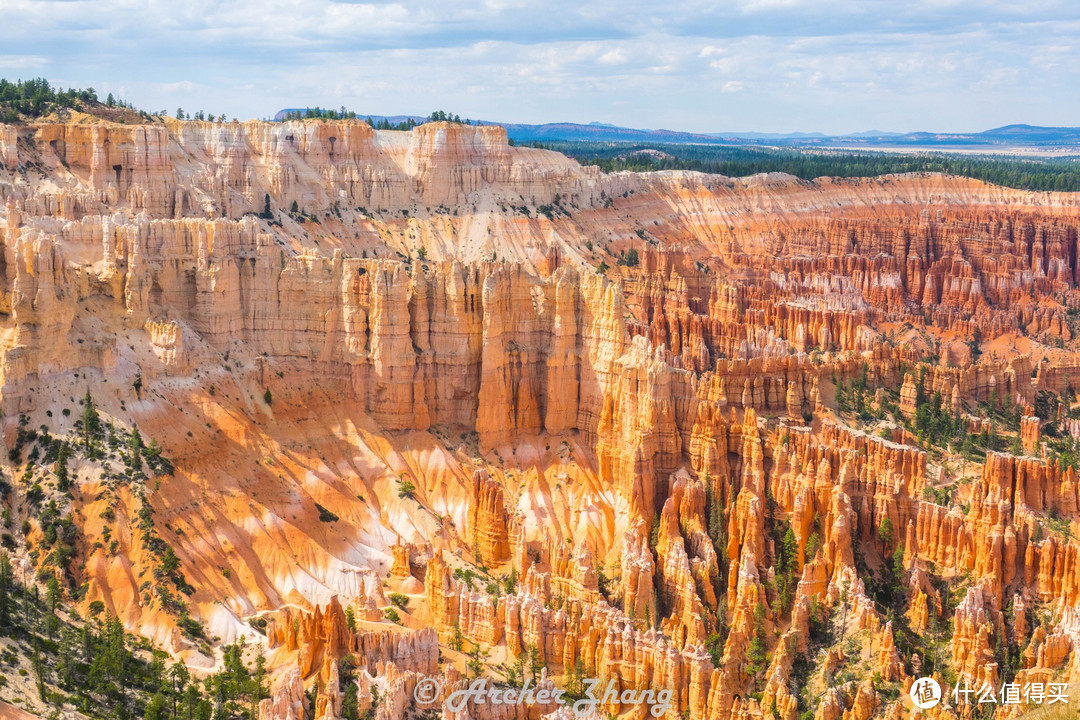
[178, 678]
[536, 663]
[714, 643]
[787, 565]
[170, 563]
[475, 665]
[5, 589]
[350, 709]
[975, 344]
[350, 619]
[457, 640]
[91, 420]
[575, 677]
[756, 656]
[885, 534]
[841, 397]
[155, 709]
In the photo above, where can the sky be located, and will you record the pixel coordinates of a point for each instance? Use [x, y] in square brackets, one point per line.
[834, 66]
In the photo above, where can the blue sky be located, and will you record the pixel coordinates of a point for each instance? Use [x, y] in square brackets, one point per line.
[738, 65]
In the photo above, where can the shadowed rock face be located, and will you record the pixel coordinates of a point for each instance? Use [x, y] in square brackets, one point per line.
[676, 429]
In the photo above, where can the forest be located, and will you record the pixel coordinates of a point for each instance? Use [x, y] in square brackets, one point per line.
[1058, 174]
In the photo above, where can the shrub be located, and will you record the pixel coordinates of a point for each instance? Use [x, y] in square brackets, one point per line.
[325, 515]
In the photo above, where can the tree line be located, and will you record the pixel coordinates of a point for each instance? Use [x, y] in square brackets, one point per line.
[29, 99]
[1056, 174]
[318, 113]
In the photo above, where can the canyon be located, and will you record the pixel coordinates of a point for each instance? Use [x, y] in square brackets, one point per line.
[428, 405]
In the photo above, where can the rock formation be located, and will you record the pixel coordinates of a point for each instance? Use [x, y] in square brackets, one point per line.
[421, 422]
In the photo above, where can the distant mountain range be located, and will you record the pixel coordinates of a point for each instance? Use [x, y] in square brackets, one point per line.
[1009, 136]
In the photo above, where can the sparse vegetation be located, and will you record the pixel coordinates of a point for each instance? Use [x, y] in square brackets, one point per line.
[406, 489]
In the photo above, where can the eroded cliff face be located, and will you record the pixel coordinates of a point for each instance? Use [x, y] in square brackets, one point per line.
[778, 446]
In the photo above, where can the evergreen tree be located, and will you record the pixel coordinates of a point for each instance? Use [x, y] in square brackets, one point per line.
[841, 397]
[885, 534]
[6, 587]
[787, 565]
[536, 664]
[350, 619]
[53, 594]
[756, 657]
[350, 709]
[155, 709]
[91, 421]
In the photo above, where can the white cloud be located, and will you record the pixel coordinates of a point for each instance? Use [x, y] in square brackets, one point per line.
[184, 86]
[832, 65]
[613, 57]
[21, 62]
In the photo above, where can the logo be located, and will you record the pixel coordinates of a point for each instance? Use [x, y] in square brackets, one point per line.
[925, 693]
[482, 691]
[427, 691]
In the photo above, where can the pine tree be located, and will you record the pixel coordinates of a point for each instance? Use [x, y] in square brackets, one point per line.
[457, 640]
[91, 420]
[155, 709]
[787, 564]
[885, 534]
[53, 594]
[536, 664]
[64, 451]
[350, 619]
[135, 450]
[178, 677]
[475, 664]
[38, 666]
[350, 709]
[756, 658]
[5, 589]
